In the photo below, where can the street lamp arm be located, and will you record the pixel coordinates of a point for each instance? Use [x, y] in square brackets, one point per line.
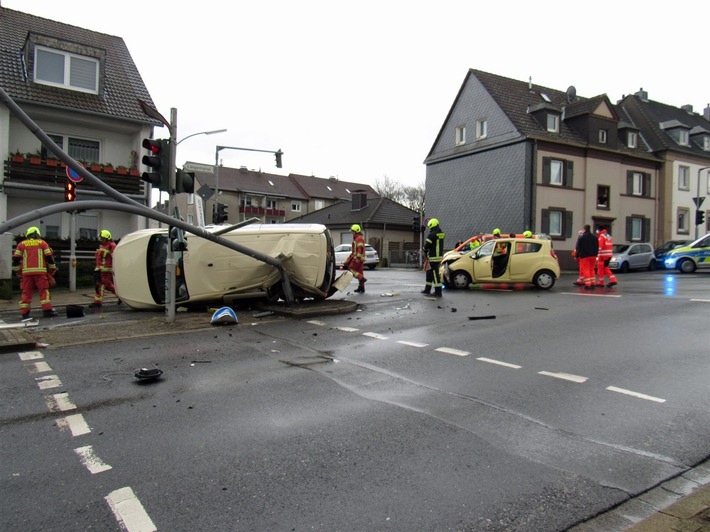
[202, 133]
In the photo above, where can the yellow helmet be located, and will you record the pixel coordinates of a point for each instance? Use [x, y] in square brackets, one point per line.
[355, 228]
[527, 234]
[105, 234]
[33, 230]
[496, 231]
[432, 223]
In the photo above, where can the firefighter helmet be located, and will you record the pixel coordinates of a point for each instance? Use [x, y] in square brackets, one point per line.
[355, 228]
[527, 234]
[33, 230]
[105, 234]
[496, 231]
[432, 223]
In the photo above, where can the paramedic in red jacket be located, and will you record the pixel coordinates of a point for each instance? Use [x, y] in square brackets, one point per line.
[605, 243]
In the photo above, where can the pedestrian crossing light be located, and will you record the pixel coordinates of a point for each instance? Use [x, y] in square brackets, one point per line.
[69, 191]
[699, 217]
[158, 160]
[220, 213]
[416, 223]
[278, 155]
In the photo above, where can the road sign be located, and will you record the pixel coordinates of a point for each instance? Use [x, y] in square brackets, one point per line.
[205, 192]
[699, 201]
[73, 176]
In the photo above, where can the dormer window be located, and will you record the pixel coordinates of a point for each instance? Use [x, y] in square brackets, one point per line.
[553, 123]
[65, 69]
[481, 129]
[632, 139]
[460, 135]
[706, 143]
[683, 137]
[602, 136]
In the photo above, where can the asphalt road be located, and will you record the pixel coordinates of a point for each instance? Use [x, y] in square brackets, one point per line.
[485, 410]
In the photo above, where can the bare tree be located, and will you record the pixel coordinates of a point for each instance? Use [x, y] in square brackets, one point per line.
[412, 197]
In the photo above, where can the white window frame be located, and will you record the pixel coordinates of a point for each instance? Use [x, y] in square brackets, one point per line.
[683, 220]
[556, 222]
[603, 135]
[272, 204]
[481, 129]
[319, 204]
[632, 140]
[295, 206]
[706, 143]
[460, 135]
[683, 137]
[683, 178]
[557, 172]
[637, 185]
[636, 229]
[68, 71]
[553, 123]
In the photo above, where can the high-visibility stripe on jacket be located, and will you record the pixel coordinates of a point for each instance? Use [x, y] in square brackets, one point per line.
[434, 245]
[605, 245]
[104, 256]
[33, 256]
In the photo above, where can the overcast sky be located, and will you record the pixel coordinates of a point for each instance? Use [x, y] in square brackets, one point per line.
[360, 90]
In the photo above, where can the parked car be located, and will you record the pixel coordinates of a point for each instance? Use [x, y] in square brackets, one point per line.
[688, 258]
[626, 257]
[661, 252]
[209, 272]
[342, 252]
[526, 260]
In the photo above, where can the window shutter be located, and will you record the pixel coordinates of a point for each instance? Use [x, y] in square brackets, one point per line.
[646, 230]
[629, 182]
[546, 171]
[629, 228]
[545, 221]
[647, 185]
[569, 171]
[567, 230]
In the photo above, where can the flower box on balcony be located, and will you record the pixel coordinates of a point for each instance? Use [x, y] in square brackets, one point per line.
[108, 168]
[121, 170]
[35, 159]
[51, 161]
[18, 158]
[133, 172]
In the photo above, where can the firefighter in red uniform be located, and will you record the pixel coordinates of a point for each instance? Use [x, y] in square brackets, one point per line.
[586, 252]
[103, 271]
[356, 260]
[33, 262]
[605, 243]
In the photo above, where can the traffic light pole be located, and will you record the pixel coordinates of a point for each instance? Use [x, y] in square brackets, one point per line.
[698, 200]
[171, 257]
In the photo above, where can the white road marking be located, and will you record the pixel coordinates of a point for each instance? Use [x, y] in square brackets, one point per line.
[76, 424]
[636, 394]
[451, 351]
[500, 363]
[413, 344]
[30, 355]
[588, 293]
[347, 329]
[89, 460]
[564, 376]
[38, 367]
[59, 402]
[129, 511]
[316, 322]
[701, 300]
[375, 335]
[49, 381]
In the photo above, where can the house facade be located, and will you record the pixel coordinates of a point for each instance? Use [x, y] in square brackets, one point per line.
[83, 89]
[517, 156]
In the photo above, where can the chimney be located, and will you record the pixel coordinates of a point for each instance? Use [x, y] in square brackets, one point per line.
[642, 94]
[359, 200]
[706, 112]
[687, 108]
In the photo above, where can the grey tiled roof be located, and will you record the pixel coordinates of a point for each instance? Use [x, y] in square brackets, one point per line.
[378, 211]
[122, 86]
[331, 188]
[252, 181]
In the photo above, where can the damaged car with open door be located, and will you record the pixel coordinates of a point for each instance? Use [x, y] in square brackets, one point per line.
[207, 272]
[504, 260]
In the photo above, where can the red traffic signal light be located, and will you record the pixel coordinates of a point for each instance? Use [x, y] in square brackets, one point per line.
[69, 191]
[159, 161]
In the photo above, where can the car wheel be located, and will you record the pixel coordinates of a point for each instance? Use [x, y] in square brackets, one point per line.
[652, 266]
[459, 280]
[372, 266]
[686, 266]
[544, 280]
[624, 268]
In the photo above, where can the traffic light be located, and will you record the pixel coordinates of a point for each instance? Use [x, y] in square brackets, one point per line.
[416, 223]
[278, 155]
[178, 242]
[69, 191]
[220, 213]
[699, 217]
[184, 182]
[159, 161]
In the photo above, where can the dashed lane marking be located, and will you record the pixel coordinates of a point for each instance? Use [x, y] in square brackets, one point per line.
[30, 355]
[499, 362]
[89, 460]
[59, 402]
[48, 381]
[129, 511]
[451, 351]
[375, 335]
[38, 367]
[75, 423]
[316, 322]
[589, 294]
[413, 344]
[636, 394]
[564, 376]
[347, 329]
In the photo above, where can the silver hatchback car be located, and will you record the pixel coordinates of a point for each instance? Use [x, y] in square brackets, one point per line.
[632, 257]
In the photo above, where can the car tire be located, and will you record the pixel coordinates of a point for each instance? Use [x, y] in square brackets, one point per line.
[372, 266]
[686, 266]
[459, 280]
[624, 268]
[544, 280]
[652, 265]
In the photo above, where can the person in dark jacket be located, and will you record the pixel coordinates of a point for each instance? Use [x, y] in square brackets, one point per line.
[586, 252]
[434, 251]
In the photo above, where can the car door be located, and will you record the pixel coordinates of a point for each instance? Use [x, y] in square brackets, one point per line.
[524, 261]
[483, 262]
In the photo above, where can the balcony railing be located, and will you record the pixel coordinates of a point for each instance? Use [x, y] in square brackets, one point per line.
[39, 171]
[259, 211]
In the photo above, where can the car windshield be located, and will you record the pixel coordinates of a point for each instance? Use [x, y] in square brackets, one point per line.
[619, 248]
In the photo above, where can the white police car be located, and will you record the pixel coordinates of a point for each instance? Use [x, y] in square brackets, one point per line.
[688, 258]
